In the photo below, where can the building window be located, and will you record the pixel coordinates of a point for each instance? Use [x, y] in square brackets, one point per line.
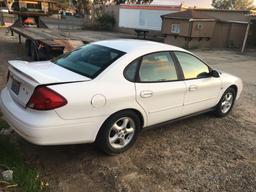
[175, 28]
[199, 27]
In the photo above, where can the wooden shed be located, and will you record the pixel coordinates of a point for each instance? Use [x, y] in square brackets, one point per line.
[188, 28]
[197, 28]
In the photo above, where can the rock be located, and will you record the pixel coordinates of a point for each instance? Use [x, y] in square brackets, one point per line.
[5, 131]
[7, 175]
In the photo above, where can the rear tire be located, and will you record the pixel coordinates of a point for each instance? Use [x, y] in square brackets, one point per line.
[119, 133]
[226, 103]
[28, 47]
[34, 52]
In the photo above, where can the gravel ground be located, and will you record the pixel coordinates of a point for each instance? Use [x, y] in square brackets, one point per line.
[201, 153]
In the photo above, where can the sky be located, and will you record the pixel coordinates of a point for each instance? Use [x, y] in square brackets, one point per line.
[197, 3]
[202, 3]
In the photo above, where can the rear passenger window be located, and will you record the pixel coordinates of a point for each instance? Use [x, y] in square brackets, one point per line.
[130, 71]
[157, 67]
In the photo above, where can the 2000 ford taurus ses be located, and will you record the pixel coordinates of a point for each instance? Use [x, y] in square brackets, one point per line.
[108, 91]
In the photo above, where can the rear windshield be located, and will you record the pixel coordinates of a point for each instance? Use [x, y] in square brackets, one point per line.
[89, 60]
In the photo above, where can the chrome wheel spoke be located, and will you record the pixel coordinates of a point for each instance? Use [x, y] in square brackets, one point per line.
[116, 127]
[114, 138]
[125, 123]
[129, 130]
[229, 97]
[223, 103]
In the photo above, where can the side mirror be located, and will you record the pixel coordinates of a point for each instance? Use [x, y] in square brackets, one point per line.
[214, 73]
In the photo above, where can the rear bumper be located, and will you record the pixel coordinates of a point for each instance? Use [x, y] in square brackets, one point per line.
[46, 127]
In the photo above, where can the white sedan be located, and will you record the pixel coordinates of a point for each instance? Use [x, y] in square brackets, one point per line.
[107, 91]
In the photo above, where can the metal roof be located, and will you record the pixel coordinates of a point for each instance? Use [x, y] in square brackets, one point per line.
[188, 14]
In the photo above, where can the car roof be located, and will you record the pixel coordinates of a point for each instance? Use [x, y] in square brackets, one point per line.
[130, 45]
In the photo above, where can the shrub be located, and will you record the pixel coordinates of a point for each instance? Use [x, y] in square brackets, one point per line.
[106, 21]
[23, 9]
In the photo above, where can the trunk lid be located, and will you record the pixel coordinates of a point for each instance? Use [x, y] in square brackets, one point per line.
[46, 72]
[25, 76]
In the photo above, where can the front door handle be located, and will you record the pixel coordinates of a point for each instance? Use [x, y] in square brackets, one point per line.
[146, 94]
[192, 88]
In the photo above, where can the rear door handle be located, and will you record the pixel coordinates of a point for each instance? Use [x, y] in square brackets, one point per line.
[192, 88]
[146, 94]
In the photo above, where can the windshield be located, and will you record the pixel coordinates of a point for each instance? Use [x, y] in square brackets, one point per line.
[89, 60]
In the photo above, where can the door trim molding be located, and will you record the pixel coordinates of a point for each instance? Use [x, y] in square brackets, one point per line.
[180, 118]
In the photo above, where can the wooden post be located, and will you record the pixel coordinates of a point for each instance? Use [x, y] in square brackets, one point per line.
[19, 39]
[1, 19]
[189, 37]
[246, 36]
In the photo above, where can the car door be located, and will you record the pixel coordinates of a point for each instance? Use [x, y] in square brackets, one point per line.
[159, 90]
[202, 89]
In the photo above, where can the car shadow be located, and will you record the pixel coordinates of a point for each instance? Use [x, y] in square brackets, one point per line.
[76, 151]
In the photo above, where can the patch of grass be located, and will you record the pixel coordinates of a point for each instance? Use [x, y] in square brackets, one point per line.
[3, 124]
[24, 176]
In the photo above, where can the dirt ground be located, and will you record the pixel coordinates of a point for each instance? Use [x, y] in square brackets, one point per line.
[201, 153]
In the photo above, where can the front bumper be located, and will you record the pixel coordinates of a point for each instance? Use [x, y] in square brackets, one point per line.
[46, 127]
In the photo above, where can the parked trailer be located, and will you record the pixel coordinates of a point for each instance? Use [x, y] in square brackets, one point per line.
[41, 43]
[44, 44]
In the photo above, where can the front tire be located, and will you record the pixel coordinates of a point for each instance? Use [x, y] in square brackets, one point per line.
[119, 133]
[226, 103]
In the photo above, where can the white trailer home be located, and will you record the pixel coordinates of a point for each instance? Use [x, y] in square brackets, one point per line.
[145, 17]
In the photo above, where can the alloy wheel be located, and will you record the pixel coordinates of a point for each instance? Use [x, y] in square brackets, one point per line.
[227, 102]
[121, 133]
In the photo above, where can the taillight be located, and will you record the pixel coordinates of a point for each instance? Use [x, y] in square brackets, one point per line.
[44, 98]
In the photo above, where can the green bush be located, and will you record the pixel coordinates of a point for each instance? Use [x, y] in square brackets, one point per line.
[23, 9]
[106, 21]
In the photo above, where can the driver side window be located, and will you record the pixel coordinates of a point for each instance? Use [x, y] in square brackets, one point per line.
[191, 66]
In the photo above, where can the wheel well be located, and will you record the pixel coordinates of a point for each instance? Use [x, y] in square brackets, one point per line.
[235, 88]
[139, 115]
[133, 110]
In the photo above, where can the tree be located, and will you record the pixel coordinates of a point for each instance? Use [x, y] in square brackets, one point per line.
[233, 4]
[99, 1]
[221, 4]
[83, 6]
[121, 1]
[243, 4]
